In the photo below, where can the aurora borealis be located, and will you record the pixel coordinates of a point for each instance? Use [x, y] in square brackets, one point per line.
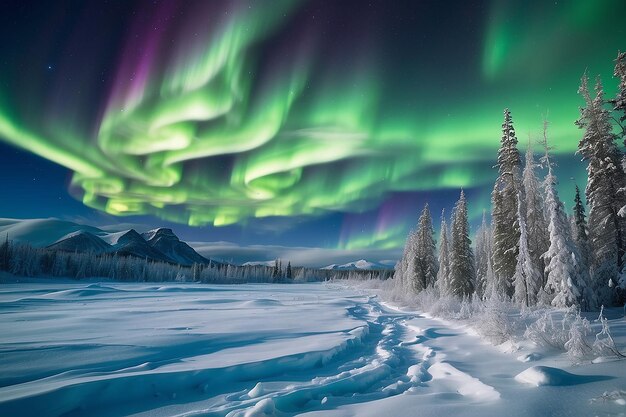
[239, 113]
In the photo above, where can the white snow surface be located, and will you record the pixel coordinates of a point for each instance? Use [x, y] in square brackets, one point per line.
[113, 349]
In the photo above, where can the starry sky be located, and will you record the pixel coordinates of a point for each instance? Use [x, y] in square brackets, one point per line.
[285, 123]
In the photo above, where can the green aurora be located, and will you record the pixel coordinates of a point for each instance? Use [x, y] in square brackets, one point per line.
[253, 116]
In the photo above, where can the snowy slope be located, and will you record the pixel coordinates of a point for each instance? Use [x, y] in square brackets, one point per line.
[260, 350]
[361, 264]
[41, 232]
[80, 241]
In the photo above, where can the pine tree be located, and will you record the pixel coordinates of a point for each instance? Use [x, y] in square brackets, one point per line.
[5, 250]
[619, 105]
[484, 272]
[425, 258]
[527, 279]
[195, 272]
[404, 268]
[605, 180]
[579, 217]
[619, 102]
[536, 223]
[579, 229]
[443, 273]
[566, 276]
[504, 209]
[276, 271]
[462, 273]
[289, 273]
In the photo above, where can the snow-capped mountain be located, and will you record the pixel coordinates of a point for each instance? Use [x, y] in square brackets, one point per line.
[82, 241]
[133, 244]
[361, 264]
[166, 242]
[158, 244]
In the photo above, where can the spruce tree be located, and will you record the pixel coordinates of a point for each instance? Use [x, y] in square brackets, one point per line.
[604, 197]
[527, 279]
[484, 273]
[462, 273]
[289, 272]
[5, 256]
[536, 223]
[425, 258]
[276, 271]
[504, 209]
[619, 102]
[443, 273]
[619, 105]
[566, 276]
[579, 217]
[579, 229]
[403, 272]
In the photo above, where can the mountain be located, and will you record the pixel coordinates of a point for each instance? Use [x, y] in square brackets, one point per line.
[157, 245]
[133, 244]
[166, 242]
[80, 241]
[361, 264]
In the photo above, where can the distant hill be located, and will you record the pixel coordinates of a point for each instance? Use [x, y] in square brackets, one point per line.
[360, 265]
[159, 244]
[260, 263]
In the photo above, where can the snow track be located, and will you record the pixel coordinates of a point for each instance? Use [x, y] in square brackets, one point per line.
[253, 350]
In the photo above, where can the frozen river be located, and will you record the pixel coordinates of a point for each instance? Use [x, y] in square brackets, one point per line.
[110, 349]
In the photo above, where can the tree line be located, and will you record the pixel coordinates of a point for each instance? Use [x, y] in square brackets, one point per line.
[531, 251]
[28, 261]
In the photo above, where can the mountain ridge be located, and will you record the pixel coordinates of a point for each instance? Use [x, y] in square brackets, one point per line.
[160, 244]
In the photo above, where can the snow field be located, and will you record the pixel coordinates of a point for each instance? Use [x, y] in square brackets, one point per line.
[110, 349]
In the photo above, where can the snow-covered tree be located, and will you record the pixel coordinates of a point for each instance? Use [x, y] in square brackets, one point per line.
[289, 272]
[401, 276]
[619, 105]
[425, 262]
[536, 224]
[484, 271]
[504, 209]
[579, 229]
[527, 279]
[5, 254]
[579, 218]
[276, 273]
[443, 273]
[604, 199]
[619, 102]
[566, 276]
[462, 273]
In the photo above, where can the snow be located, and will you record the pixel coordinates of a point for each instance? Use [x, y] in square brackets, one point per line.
[361, 264]
[262, 263]
[545, 375]
[40, 232]
[112, 349]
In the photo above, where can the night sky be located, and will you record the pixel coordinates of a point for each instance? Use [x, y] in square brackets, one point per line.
[294, 123]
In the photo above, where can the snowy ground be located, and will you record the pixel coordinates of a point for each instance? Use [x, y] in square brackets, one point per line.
[110, 349]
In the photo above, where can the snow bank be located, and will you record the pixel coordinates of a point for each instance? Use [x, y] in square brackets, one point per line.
[545, 375]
